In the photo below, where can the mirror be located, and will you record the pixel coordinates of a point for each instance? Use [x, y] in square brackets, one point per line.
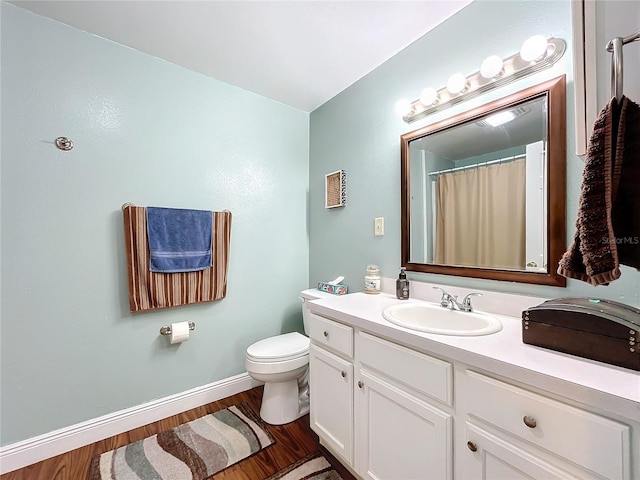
[486, 199]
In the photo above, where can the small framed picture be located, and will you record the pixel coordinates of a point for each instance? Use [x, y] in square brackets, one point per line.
[335, 187]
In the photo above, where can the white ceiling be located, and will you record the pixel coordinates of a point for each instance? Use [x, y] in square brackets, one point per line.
[300, 53]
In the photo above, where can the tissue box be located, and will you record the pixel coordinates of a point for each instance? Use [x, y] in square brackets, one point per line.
[338, 289]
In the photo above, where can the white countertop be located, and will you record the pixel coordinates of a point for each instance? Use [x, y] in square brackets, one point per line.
[613, 389]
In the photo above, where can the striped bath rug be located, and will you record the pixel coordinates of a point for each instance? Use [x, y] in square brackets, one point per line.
[194, 450]
[312, 467]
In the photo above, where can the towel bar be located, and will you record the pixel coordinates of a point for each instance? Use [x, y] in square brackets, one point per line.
[166, 329]
[129, 204]
[615, 47]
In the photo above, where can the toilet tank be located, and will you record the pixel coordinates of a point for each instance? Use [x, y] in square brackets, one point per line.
[307, 296]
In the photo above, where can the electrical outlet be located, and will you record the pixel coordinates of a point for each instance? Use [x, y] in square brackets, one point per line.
[378, 226]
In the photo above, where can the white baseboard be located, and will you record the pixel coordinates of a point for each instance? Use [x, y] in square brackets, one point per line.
[20, 454]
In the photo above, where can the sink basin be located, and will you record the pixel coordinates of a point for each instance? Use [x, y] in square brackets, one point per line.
[431, 318]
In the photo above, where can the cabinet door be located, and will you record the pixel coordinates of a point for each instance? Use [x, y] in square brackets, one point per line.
[399, 437]
[331, 397]
[489, 457]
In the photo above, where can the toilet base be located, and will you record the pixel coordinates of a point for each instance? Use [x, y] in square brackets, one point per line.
[281, 403]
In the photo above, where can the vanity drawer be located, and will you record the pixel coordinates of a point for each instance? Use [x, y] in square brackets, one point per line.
[428, 375]
[332, 335]
[594, 442]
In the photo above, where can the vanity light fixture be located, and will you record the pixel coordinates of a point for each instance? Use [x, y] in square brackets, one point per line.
[537, 53]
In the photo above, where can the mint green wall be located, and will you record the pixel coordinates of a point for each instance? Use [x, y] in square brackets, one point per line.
[152, 133]
[358, 131]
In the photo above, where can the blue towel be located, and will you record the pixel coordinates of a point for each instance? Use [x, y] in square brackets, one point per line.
[179, 240]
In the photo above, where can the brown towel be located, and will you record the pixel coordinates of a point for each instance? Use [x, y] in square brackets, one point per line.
[149, 290]
[626, 203]
[608, 199]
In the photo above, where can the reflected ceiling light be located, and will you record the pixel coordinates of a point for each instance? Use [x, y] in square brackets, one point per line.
[457, 83]
[428, 97]
[537, 53]
[403, 107]
[533, 48]
[491, 67]
[500, 118]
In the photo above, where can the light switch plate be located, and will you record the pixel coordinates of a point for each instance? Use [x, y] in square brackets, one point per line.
[378, 226]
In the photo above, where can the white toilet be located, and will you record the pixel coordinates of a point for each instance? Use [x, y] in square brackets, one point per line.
[282, 363]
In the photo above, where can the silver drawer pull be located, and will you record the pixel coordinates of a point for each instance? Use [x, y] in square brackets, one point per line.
[343, 373]
[529, 421]
[360, 384]
[472, 446]
[325, 333]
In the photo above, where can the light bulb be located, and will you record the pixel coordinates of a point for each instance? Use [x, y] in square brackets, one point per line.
[533, 48]
[457, 83]
[491, 67]
[403, 107]
[429, 96]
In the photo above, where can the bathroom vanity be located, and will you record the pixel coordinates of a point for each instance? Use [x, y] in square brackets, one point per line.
[394, 403]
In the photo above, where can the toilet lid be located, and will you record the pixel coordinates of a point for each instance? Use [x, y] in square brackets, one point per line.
[280, 347]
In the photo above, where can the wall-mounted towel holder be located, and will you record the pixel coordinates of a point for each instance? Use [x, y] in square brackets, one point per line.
[129, 204]
[615, 47]
[166, 329]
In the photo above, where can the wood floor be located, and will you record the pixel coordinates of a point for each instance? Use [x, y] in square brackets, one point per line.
[292, 442]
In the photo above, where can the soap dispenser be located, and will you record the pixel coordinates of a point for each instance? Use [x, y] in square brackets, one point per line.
[402, 285]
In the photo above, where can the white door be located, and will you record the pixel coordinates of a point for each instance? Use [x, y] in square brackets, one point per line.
[331, 397]
[399, 437]
[489, 457]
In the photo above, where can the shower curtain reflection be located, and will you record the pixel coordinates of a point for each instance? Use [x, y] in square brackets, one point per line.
[480, 216]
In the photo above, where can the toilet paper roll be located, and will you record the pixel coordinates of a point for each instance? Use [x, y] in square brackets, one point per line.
[179, 332]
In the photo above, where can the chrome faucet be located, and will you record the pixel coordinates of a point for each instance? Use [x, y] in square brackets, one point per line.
[448, 301]
[451, 301]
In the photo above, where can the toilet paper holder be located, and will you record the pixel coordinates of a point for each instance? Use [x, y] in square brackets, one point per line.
[166, 329]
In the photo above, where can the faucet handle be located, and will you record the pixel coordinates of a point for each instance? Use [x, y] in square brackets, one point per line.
[445, 301]
[466, 302]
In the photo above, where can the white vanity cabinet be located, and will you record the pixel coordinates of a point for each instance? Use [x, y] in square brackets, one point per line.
[382, 408]
[331, 384]
[394, 411]
[400, 431]
[495, 458]
[515, 433]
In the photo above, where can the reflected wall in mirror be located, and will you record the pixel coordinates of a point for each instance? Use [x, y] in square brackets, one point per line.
[483, 193]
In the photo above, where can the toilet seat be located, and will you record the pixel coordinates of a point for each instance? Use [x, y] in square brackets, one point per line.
[281, 348]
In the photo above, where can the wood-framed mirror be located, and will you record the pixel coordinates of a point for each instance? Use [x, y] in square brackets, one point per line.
[486, 199]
